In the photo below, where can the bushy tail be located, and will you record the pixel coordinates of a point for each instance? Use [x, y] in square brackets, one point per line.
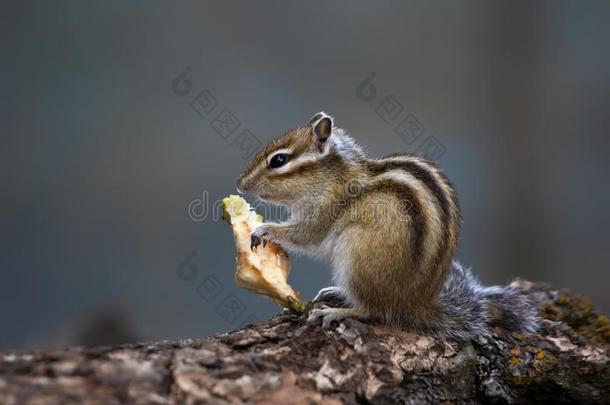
[467, 309]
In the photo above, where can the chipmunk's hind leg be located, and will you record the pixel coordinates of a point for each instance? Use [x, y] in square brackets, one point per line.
[328, 315]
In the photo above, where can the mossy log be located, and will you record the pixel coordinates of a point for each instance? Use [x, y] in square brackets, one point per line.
[286, 361]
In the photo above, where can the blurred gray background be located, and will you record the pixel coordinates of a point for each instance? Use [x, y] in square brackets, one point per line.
[101, 153]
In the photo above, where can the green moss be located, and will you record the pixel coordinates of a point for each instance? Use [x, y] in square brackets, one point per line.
[599, 330]
[579, 314]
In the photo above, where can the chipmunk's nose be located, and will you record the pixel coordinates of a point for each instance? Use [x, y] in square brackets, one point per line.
[246, 184]
[240, 186]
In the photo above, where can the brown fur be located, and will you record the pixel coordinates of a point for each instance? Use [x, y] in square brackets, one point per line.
[390, 226]
[386, 252]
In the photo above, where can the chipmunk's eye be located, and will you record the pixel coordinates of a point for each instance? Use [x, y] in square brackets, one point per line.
[279, 160]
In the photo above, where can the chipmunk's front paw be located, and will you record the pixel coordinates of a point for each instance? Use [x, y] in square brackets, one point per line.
[334, 296]
[328, 315]
[258, 236]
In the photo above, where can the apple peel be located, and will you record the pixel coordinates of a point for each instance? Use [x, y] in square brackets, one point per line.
[263, 270]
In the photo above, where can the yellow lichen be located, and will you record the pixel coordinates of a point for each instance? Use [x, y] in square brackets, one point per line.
[543, 356]
[524, 369]
[517, 335]
[514, 361]
[516, 374]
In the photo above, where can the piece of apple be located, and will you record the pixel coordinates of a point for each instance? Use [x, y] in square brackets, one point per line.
[265, 269]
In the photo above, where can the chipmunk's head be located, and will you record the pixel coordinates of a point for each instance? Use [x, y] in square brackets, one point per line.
[302, 161]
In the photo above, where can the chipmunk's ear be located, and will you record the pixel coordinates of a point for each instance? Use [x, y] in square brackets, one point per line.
[322, 126]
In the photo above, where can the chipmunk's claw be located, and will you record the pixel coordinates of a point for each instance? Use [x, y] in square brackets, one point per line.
[254, 241]
[257, 238]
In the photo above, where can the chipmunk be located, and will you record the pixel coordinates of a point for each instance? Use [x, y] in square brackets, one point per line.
[390, 229]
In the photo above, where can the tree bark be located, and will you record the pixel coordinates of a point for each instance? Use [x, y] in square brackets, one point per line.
[287, 361]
